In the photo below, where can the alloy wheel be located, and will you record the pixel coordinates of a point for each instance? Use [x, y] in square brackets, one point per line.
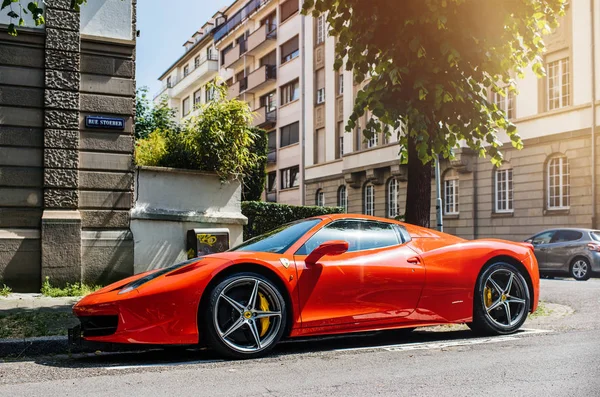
[248, 315]
[580, 269]
[504, 297]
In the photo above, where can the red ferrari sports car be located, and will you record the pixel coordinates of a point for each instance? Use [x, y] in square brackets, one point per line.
[326, 275]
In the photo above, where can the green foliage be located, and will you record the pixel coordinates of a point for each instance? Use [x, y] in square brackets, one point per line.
[150, 117]
[18, 13]
[152, 150]
[429, 64]
[34, 323]
[5, 290]
[77, 289]
[218, 140]
[255, 175]
[264, 217]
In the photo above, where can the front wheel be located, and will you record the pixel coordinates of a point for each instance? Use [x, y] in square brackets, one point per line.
[581, 269]
[245, 316]
[502, 300]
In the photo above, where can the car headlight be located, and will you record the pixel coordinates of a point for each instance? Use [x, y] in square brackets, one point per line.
[141, 281]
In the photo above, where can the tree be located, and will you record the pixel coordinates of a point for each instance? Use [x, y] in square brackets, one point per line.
[150, 116]
[255, 175]
[427, 67]
[18, 13]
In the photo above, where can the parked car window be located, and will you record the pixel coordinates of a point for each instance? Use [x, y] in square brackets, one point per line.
[543, 238]
[360, 235]
[279, 240]
[563, 236]
[595, 235]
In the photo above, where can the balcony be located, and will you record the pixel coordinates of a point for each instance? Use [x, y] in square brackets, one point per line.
[261, 37]
[234, 57]
[271, 197]
[205, 70]
[272, 157]
[265, 117]
[237, 88]
[236, 19]
[261, 76]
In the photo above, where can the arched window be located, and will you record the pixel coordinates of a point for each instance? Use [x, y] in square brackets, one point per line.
[343, 198]
[558, 183]
[369, 199]
[392, 198]
[503, 190]
[451, 192]
[320, 198]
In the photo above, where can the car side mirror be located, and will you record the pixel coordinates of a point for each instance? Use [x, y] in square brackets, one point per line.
[335, 247]
[529, 240]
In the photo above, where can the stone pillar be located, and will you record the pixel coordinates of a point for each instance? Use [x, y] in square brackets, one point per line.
[61, 220]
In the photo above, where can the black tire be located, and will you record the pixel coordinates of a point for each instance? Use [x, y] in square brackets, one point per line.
[575, 269]
[484, 322]
[213, 313]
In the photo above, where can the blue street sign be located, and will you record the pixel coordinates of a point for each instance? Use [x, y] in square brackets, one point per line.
[113, 123]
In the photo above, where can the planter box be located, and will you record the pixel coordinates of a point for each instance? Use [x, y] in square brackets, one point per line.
[169, 202]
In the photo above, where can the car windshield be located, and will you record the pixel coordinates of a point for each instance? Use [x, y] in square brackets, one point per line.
[595, 235]
[279, 240]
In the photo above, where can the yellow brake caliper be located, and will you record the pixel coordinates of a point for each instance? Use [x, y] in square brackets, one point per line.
[487, 293]
[264, 306]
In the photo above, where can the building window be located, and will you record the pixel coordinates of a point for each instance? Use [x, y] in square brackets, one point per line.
[558, 183]
[343, 198]
[392, 193]
[504, 190]
[289, 177]
[290, 50]
[320, 95]
[269, 101]
[320, 29]
[340, 83]
[272, 141]
[209, 93]
[340, 140]
[320, 198]
[369, 200]
[186, 70]
[559, 89]
[290, 134]
[198, 97]
[373, 140]
[320, 146]
[197, 62]
[451, 193]
[169, 82]
[272, 182]
[290, 92]
[288, 9]
[506, 102]
[186, 107]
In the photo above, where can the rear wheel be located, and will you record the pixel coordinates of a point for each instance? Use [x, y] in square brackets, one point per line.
[501, 302]
[580, 269]
[245, 317]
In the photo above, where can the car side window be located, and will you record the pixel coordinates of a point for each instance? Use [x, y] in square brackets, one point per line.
[360, 235]
[543, 238]
[564, 236]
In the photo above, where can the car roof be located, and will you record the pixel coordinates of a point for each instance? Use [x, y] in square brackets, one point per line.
[577, 229]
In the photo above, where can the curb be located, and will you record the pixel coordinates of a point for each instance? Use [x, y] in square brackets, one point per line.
[48, 345]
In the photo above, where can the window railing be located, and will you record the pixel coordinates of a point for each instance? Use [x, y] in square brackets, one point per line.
[236, 19]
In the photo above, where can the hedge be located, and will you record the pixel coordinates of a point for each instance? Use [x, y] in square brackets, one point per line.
[264, 217]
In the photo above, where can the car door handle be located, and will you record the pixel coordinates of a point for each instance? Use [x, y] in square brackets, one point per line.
[414, 260]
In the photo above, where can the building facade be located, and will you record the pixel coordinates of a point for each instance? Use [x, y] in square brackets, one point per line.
[266, 46]
[67, 91]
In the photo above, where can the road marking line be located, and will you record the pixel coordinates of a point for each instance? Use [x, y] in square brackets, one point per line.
[448, 343]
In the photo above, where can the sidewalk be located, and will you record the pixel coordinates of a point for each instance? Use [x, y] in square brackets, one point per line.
[16, 301]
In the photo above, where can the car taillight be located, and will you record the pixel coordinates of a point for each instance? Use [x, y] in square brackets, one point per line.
[594, 247]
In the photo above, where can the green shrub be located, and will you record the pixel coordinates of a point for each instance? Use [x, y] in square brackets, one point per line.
[264, 217]
[150, 151]
[5, 290]
[255, 175]
[76, 289]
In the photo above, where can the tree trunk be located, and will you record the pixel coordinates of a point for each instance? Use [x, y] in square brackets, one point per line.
[418, 192]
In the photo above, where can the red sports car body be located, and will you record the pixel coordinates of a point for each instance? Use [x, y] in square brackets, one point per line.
[327, 275]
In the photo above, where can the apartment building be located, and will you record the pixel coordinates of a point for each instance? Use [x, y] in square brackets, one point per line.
[254, 46]
[547, 184]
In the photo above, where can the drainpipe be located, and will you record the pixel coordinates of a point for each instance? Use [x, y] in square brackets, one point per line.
[594, 220]
[475, 203]
[303, 94]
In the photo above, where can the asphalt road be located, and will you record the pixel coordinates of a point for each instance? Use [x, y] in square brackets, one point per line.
[557, 355]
